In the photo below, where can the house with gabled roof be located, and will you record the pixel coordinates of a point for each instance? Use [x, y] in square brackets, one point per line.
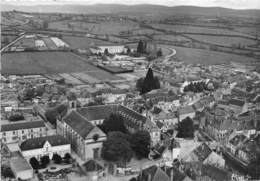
[236, 142]
[205, 155]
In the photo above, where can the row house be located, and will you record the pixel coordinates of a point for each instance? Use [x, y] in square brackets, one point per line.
[15, 132]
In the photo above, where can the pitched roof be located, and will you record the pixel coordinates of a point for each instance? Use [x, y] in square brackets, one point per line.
[78, 123]
[92, 165]
[22, 125]
[20, 164]
[202, 152]
[236, 102]
[97, 112]
[186, 110]
[155, 173]
[35, 143]
[215, 173]
[237, 139]
[174, 173]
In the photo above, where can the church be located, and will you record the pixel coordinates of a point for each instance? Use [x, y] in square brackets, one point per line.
[79, 127]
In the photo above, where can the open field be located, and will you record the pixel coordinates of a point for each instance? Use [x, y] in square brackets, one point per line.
[195, 29]
[108, 27]
[82, 42]
[249, 30]
[145, 32]
[224, 40]
[205, 57]
[174, 38]
[43, 63]
[103, 75]
[25, 42]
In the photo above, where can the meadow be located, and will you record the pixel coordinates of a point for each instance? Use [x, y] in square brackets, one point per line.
[206, 57]
[108, 27]
[197, 29]
[22, 63]
[82, 42]
[224, 40]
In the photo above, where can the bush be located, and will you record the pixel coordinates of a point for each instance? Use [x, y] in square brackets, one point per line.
[57, 158]
[16, 117]
[34, 163]
[6, 172]
[45, 160]
[67, 158]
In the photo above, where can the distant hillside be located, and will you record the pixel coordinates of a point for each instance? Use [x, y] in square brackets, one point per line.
[143, 8]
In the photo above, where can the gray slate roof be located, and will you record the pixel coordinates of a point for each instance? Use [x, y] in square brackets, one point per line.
[22, 125]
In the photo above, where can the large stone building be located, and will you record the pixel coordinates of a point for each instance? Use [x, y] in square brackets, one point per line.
[79, 126]
[48, 145]
[15, 132]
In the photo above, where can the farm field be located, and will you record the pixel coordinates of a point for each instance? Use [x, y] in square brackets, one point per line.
[175, 38]
[108, 27]
[145, 32]
[25, 42]
[82, 42]
[195, 29]
[83, 77]
[224, 40]
[43, 63]
[8, 39]
[205, 57]
[103, 75]
[249, 30]
[69, 79]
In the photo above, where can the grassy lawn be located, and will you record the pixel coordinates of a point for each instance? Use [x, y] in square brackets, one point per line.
[43, 63]
[205, 57]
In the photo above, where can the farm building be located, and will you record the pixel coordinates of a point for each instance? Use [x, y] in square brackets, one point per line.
[113, 49]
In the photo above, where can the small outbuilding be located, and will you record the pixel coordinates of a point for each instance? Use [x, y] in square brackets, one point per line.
[21, 168]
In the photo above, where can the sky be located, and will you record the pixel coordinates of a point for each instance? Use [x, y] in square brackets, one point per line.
[234, 4]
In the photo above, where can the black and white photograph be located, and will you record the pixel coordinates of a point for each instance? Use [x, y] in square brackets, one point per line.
[130, 90]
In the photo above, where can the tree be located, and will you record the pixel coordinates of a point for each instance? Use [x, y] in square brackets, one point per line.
[16, 117]
[45, 160]
[34, 163]
[45, 25]
[159, 53]
[150, 82]
[140, 142]
[114, 122]
[67, 158]
[106, 52]
[56, 158]
[116, 148]
[128, 51]
[6, 172]
[186, 128]
[52, 114]
[140, 47]
[157, 110]
[139, 84]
